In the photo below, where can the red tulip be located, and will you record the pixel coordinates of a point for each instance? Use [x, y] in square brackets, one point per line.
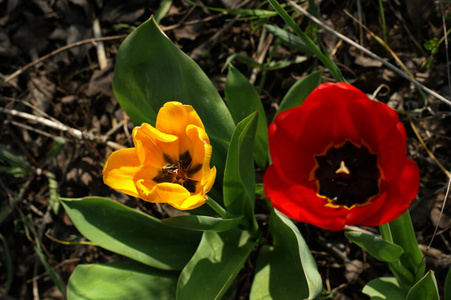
[340, 159]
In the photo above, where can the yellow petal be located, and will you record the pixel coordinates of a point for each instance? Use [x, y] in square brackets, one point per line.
[121, 169]
[152, 144]
[191, 202]
[201, 152]
[167, 193]
[174, 117]
[211, 180]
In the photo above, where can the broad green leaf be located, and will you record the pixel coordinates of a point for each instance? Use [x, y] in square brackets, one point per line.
[131, 233]
[271, 65]
[375, 246]
[202, 223]
[243, 100]
[121, 280]
[425, 289]
[384, 288]
[447, 288]
[150, 71]
[239, 175]
[289, 39]
[403, 234]
[215, 264]
[287, 270]
[299, 91]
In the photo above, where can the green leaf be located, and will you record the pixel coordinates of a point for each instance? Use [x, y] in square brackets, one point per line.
[403, 234]
[299, 91]
[256, 13]
[53, 191]
[52, 273]
[425, 289]
[163, 9]
[150, 71]
[131, 233]
[242, 100]
[384, 288]
[8, 264]
[375, 246]
[239, 175]
[202, 223]
[432, 46]
[322, 56]
[447, 288]
[121, 280]
[215, 264]
[17, 166]
[289, 39]
[287, 270]
[271, 65]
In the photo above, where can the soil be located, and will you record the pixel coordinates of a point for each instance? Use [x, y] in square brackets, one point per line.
[50, 69]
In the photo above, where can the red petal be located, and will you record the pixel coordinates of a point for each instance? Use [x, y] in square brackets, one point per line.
[400, 194]
[359, 214]
[293, 160]
[392, 153]
[374, 121]
[379, 128]
[301, 203]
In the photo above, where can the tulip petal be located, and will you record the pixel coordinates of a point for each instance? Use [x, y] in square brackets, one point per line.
[293, 160]
[167, 193]
[120, 171]
[400, 194]
[301, 203]
[211, 180]
[201, 153]
[191, 202]
[373, 120]
[153, 145]
[380, 129]
[174, 117]
[392, 153]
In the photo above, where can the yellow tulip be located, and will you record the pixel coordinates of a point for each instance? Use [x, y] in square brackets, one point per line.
[170, 162]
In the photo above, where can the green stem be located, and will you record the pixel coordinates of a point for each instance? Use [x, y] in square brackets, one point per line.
[410, 267]
[386, 232]
[217, 208]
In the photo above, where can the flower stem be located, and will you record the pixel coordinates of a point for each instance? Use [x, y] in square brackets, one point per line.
[386, 232]
[217, 208]
[410, 267]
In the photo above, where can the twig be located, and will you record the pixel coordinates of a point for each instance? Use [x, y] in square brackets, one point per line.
[371, 54]
[101, 56]
[60, 126]
[262, 49]
[59, 50]
[429, 152]
[445, 33]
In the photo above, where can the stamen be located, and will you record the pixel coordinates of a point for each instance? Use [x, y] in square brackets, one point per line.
[343, 169]
[179, 172]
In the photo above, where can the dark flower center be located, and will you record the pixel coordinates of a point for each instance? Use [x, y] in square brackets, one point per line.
[179, 171]
[347, 175]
